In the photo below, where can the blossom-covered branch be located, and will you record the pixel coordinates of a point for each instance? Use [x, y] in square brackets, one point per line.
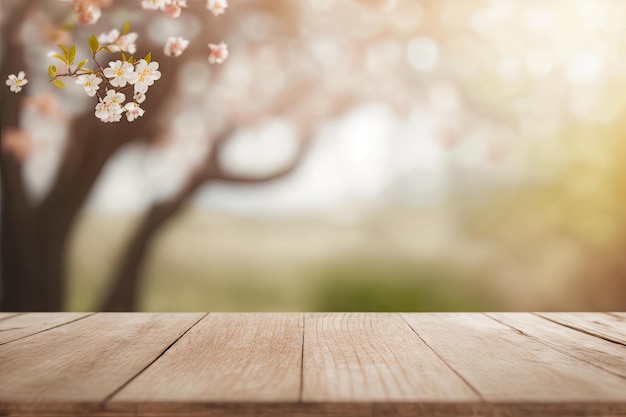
[122, 73]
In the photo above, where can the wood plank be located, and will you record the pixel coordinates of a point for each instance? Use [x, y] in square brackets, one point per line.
[7, 315]
[358, 357]
[23, 325]
[514, 370]
[603, 325]
[339, 365]
[75, 367]
[225, 358]
[608, 356]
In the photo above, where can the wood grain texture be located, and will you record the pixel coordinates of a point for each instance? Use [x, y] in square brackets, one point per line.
[79, 364]
[506, 366]
[252, 357]
[23, 325]
[4, 316]
[374, 357]
[593, 350]
[315, 365]
[606, 326]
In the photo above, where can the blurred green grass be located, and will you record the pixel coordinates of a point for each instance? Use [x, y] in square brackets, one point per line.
[385, 288]
[222, 263]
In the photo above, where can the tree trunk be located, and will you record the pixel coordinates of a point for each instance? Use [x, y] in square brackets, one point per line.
[34, 238]
[124, 292]
[18, 265]
[32, 261]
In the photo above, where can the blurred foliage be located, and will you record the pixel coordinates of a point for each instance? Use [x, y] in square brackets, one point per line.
[343, 286]
[508, 114]
[389, 287]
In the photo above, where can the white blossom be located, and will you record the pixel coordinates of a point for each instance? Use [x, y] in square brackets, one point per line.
[16, 83]
[147, 74]
[115, 98]
[218, 54]
[120, 73]
[133, 111]
[116, 43]
[90, 83]
[110, 108]
[102, 110]
[153, 4]
[175, 46]
[217, 7]
[139, 97]
[108, 38]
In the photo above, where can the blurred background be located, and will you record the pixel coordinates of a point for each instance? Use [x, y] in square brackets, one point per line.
[430, 156]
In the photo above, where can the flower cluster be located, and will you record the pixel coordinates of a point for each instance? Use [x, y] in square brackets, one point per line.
[171, 8]
[175, 46]
[110, 84]
[111, 108]
[174, 8]
[119, 77]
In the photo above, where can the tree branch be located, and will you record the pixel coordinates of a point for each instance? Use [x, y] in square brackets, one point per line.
[215, 170]
[93, 143]
[124, 292]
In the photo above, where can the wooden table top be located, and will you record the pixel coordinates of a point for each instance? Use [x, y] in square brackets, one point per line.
[313, 364]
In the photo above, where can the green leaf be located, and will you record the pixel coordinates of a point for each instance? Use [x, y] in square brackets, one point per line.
[124, 58]
[66, 52]
[93, 44]
[60, 58]
[52, 71]
[126, 28]
[148, 57]
[58, 83]
[67, 26]
[105, 48]
[72, 54]
[131, 59]
[81, 64]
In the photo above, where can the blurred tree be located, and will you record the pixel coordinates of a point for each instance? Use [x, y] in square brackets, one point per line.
[35, 234]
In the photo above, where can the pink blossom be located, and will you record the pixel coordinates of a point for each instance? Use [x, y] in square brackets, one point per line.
[175, 46]
[88, 13]
[218, 54]
[173, 8]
